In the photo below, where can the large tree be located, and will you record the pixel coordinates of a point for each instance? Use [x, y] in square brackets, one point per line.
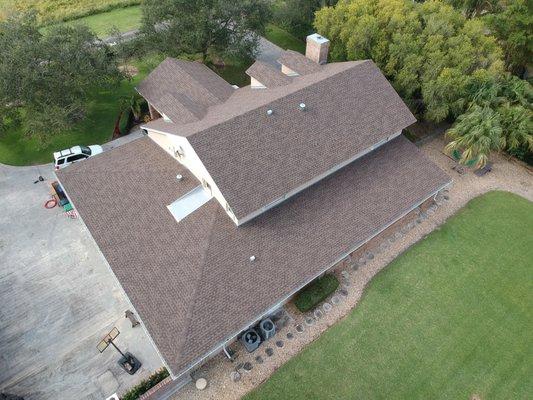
[429, 51]
[297, 16]
[514, 29]
[219, 27]
[45, 78]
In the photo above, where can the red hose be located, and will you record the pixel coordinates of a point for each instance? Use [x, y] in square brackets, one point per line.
[50, 203]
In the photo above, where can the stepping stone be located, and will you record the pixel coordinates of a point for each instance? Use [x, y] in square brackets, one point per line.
[279, 343]
[269, 352]
[345, 274]
[411, 225]
[290, 335]
[392, 239]
[419, 220]
[404, 229]
[355, 267]
[335, 300]
[318, 313]
[201, 383]
[398, 235]
[248, 366]
[346, 283]
[327, 307]
[235, 376]
[430, 212]
[299, 328]
[383, 246]
[239, 366]
[309, 321]
[370, 255]
[362, 261]
[259, 360]
[446, 197]
[344, 292]
[423, 215]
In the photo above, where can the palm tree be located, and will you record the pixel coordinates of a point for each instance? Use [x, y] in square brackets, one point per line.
[476, 133]
[517, 125]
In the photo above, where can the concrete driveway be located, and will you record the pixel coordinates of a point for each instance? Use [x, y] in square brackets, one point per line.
[57, 300]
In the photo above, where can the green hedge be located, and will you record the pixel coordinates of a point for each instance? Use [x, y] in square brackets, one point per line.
[137, 391]
[316, 292]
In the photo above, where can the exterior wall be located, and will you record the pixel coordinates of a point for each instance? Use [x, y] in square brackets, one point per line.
[171, 144]
[255, 84]
[287, 71]
[313, 181]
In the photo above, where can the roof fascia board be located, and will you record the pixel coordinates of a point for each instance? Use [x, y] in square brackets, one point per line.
[316, 179]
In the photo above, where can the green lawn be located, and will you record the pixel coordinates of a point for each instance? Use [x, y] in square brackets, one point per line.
[284, 39]
[97, 128]
[451, 317]
[124, 19]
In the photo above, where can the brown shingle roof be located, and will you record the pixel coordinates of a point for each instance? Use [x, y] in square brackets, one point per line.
[255, 159]
[267, 74]
[298, 62]
[192, 282]
[182, 90]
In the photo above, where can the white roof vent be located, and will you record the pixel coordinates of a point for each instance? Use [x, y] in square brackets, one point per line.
[252, 258]
[302, 106]
[179, 177]
[270, 112]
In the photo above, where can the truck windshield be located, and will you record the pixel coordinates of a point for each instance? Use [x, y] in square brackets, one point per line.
[85, 150]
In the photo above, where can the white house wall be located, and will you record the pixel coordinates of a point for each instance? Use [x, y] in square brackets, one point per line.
[171, 143]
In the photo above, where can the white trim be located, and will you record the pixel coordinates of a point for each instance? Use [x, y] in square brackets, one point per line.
[219, 346]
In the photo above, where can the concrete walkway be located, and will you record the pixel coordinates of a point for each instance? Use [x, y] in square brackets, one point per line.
[58, 299]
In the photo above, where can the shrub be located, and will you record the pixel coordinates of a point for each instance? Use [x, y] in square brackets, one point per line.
[145, 385]
[314, 293]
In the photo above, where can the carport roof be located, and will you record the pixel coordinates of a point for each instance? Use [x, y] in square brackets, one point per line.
[192, 282]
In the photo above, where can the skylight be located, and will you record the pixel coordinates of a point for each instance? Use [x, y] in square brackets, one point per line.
[189, 203]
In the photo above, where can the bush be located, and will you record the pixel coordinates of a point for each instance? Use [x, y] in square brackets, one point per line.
[314, 293]
[145, 385]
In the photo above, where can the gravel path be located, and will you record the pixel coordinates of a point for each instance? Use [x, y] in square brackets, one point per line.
[355, 275]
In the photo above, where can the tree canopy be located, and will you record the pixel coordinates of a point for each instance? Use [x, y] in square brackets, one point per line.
[45, 78]
[204, 26]
[444, 65]
[429, 51]
[514, 29]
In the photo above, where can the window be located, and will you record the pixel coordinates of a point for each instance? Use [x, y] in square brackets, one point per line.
[85, 150]
[76, 157]
[60, 161]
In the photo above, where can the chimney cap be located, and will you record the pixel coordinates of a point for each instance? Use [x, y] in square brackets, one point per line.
[302, 106]
[317, 38]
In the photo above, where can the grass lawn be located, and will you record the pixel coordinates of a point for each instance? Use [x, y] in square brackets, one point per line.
[124, 19]
[284, 39]
[451, 317]
[97, 128]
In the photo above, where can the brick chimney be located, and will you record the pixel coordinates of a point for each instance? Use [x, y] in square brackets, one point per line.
[317, 48]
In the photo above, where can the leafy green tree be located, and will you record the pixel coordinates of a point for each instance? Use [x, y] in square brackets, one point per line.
[296, 16]
[45, 78]
[429, 50]
[203, 26]
[476, 8]
[514, 29]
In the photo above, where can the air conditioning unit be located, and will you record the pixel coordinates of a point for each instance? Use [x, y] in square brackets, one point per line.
[251, 340]
[268, 329]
